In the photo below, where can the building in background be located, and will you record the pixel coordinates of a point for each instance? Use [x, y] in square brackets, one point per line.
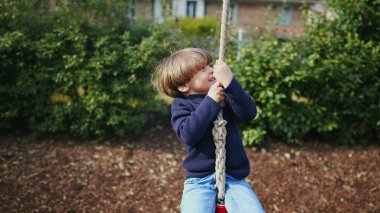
[285, 17]
[282, 16]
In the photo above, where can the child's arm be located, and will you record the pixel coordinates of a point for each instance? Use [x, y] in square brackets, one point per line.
[191, 126]
[241, 103]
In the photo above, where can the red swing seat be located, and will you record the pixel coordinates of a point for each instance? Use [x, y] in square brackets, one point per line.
[220, 208]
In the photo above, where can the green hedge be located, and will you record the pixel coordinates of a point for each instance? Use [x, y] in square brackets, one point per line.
[199, 32]
[326, 83]
[200, 27]
[74, 72]
[64, 74]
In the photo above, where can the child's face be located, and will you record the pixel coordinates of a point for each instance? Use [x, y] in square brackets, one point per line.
[201, 81]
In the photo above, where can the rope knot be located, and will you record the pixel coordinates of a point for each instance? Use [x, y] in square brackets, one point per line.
[219, 131]
[220, 123]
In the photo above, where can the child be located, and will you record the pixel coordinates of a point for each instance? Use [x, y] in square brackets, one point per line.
[199, 91]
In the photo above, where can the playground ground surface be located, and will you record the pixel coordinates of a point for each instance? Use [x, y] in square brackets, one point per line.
[144, 174]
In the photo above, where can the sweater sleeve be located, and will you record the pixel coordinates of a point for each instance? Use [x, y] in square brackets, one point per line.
[241, 103]
[191, 126]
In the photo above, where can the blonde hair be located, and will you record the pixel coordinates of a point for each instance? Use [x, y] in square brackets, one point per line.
[178, 69]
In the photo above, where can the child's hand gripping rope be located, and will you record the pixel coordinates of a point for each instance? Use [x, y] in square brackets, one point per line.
[223, 73]
[216, 92]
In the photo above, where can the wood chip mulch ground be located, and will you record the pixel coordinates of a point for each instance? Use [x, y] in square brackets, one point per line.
[144, 175]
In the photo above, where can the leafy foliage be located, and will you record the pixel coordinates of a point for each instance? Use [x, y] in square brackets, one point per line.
[326, 82]
[199, 32]
[85, 69]
[200, 27]
[64, 74]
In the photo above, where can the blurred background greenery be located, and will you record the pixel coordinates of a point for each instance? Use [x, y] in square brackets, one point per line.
[84, 69]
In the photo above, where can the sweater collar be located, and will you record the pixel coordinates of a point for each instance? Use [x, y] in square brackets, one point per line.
[193, 96]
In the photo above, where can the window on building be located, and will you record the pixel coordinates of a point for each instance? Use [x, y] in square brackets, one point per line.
[233, 13]
[191, 9]
[131, 12]
[285, 16]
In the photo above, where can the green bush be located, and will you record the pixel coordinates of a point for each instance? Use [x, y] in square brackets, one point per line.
[200, 27]
[327, 82]
[79, 72]
[267, 73]
[63, 74]
[198, 32]
[344, 57]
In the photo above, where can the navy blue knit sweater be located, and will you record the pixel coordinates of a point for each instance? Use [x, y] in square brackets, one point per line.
[192, 119]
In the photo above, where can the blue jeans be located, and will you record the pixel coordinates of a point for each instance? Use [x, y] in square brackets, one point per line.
[199, 196]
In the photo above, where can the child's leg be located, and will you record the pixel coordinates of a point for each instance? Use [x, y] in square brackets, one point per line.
[199, 195]
[240, 197]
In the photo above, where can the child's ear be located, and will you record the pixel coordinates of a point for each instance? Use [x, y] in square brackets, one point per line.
[184, 88]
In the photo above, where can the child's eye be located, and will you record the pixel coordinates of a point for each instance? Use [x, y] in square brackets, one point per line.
[204, 68]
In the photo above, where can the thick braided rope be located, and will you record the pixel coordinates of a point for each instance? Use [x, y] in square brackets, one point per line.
[223, 32]
[219, 131]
